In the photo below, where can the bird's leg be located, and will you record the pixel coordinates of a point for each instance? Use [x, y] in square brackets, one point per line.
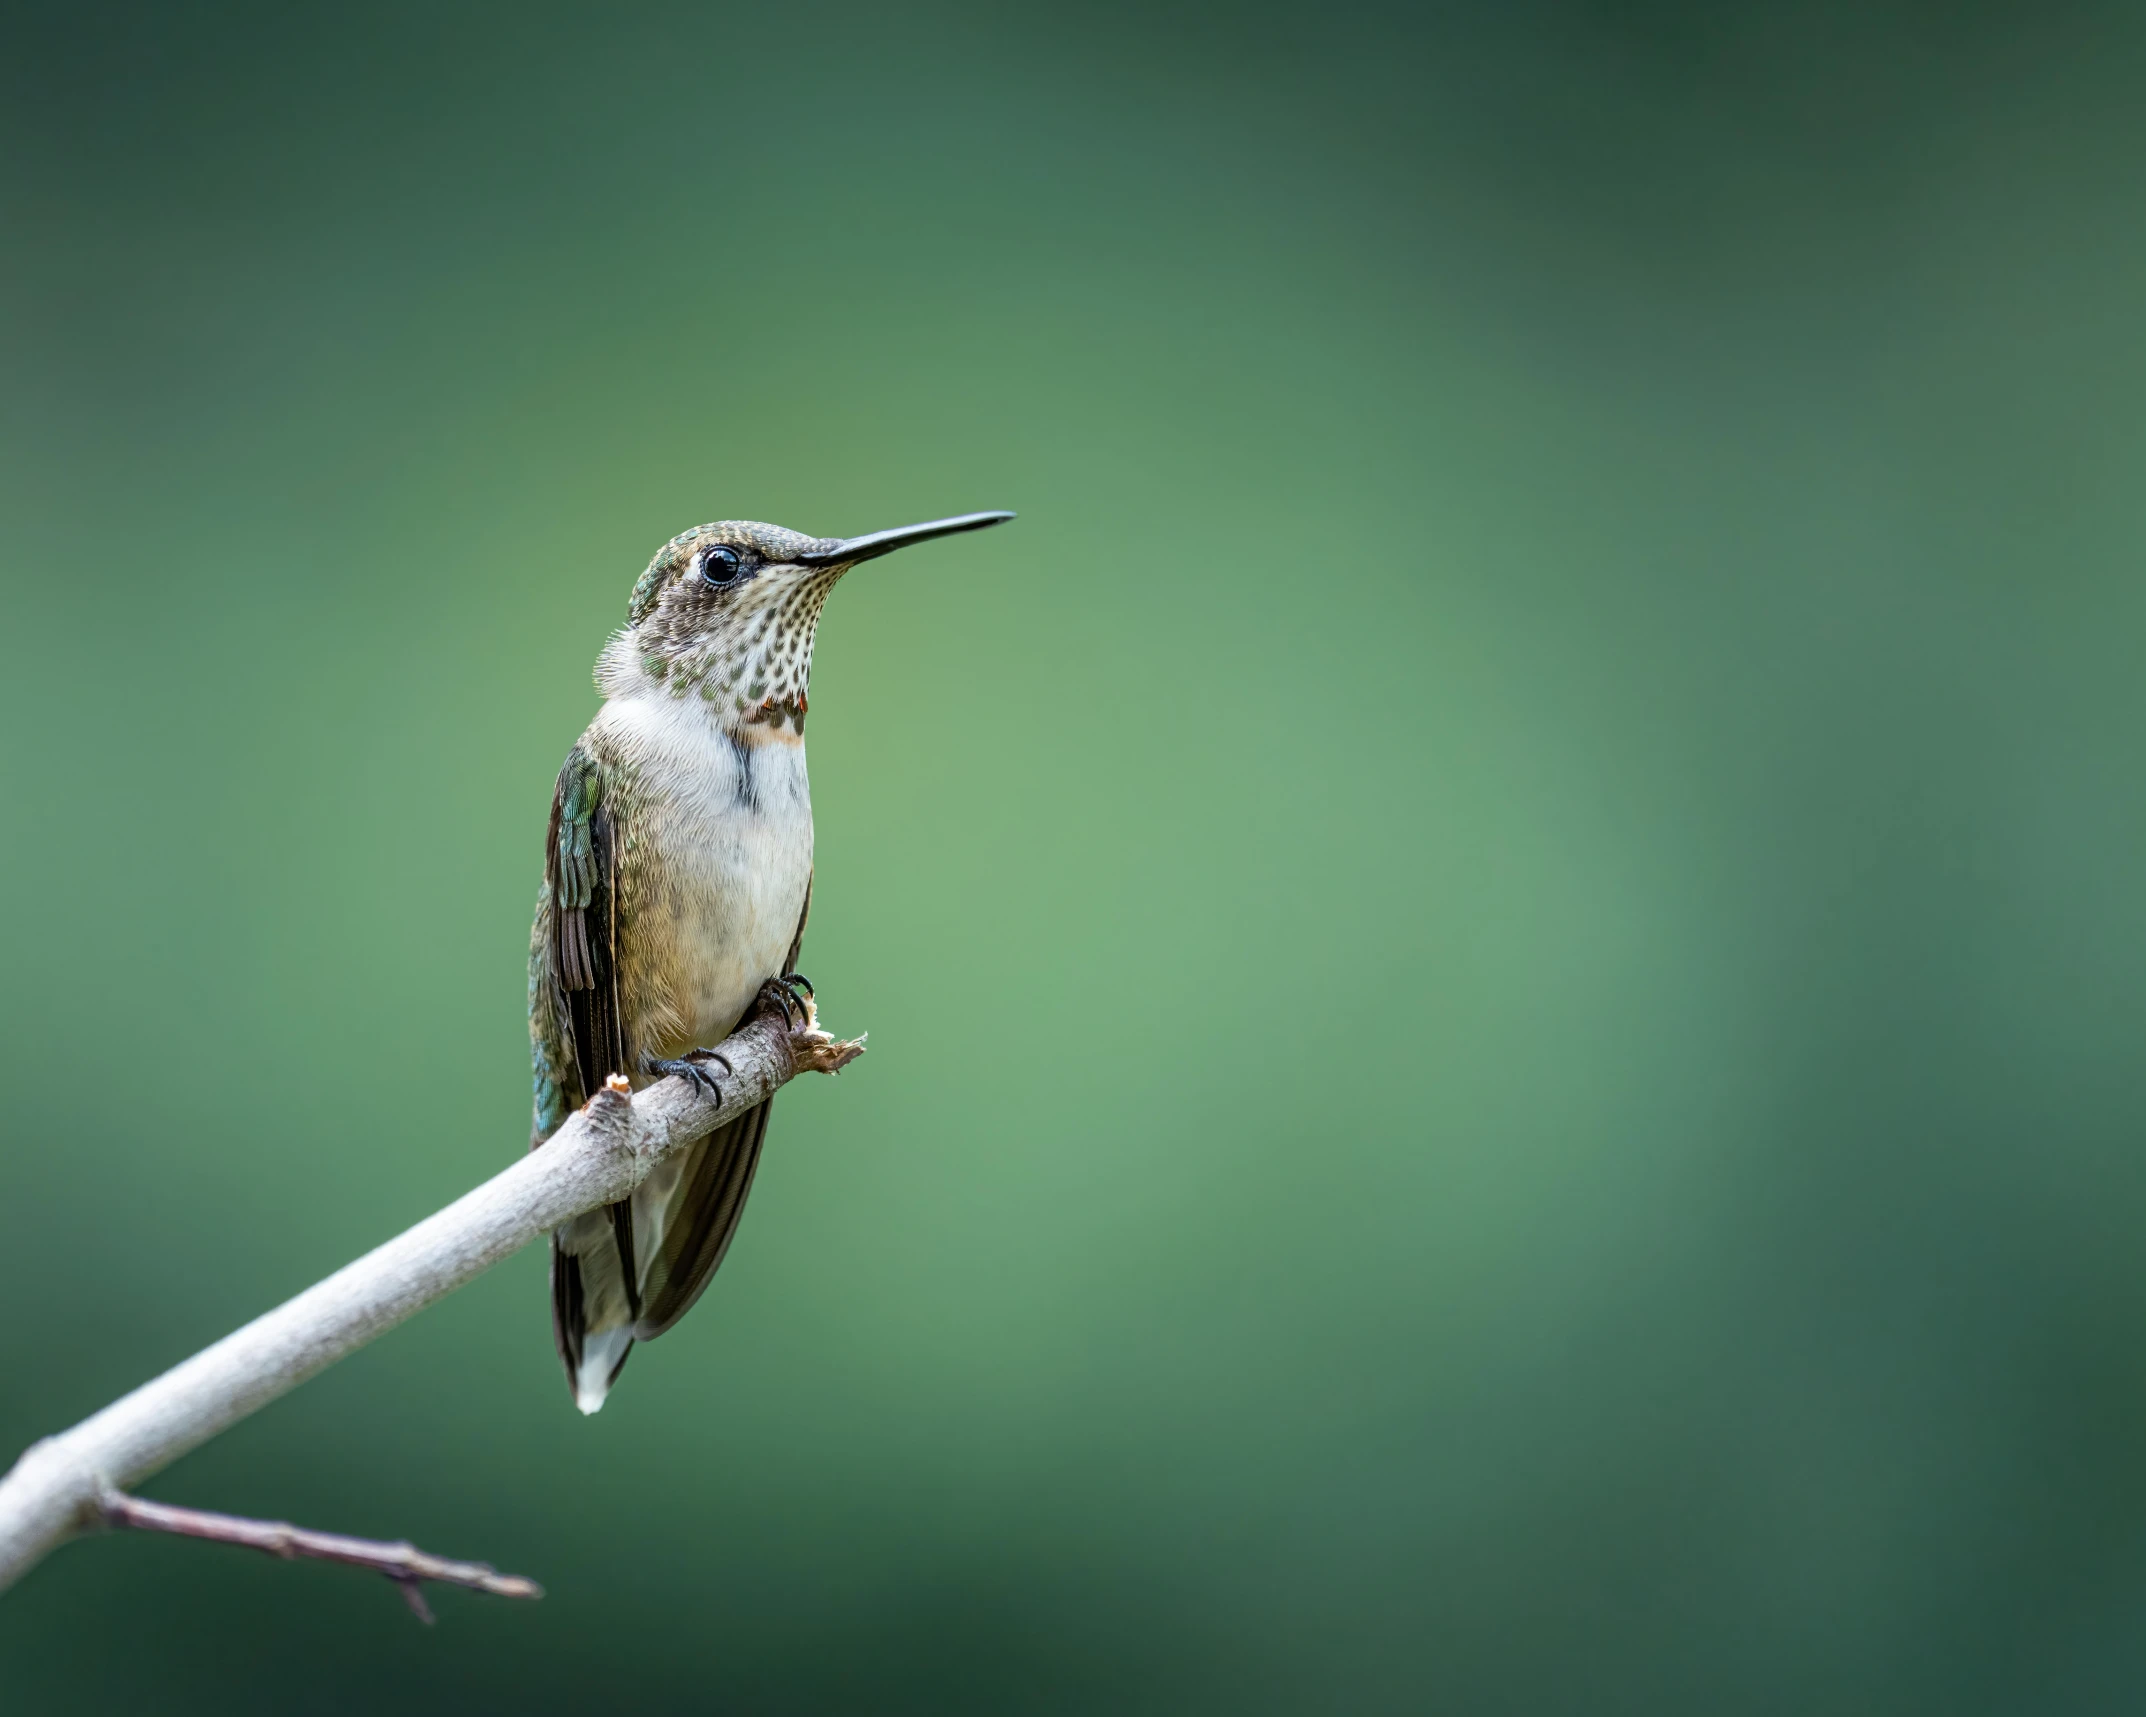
[780, 995]
[692, 1067]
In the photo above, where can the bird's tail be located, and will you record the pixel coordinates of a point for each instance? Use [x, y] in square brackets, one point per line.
[591, 1311]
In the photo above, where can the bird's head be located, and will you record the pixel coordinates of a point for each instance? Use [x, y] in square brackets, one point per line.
[726, 613]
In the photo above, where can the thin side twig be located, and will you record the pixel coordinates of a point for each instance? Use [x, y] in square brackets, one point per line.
[403, 1563]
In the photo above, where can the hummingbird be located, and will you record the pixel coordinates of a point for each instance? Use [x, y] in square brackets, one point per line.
[677, 881]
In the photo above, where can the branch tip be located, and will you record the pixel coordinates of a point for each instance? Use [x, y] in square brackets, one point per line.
[817, 1051]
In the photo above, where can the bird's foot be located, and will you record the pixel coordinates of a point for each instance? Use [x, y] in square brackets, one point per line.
[811, 1049]
[692, 1067]
[791, 996]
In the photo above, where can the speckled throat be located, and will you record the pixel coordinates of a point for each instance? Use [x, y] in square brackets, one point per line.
[758, 667]
[744, 648]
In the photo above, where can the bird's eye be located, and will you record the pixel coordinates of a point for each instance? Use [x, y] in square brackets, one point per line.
[721, 565]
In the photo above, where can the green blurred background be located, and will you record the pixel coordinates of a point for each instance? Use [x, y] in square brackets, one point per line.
[1503, 938]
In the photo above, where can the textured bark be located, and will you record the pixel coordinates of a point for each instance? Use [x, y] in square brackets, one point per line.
[61, 1485]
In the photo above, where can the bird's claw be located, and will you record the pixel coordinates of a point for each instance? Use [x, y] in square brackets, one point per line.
[779, 995]
[692, 1068]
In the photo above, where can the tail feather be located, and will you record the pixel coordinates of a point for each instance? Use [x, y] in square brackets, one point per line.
[673, 1235]
[592, 1311]
[601, 1361]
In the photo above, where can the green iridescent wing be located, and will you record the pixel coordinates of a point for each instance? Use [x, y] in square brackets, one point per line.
[578, 1040]
[577, 1025]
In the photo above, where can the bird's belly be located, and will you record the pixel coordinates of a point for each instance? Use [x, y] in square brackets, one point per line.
[733, 881]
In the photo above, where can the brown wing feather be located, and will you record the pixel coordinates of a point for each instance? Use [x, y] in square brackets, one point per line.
[592, 1005]
[710, 1200]
[582, 946]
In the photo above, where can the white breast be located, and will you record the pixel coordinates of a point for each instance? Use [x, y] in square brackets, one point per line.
[727, 824]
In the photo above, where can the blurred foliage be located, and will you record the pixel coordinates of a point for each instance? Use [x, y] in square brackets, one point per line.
[1501, 937]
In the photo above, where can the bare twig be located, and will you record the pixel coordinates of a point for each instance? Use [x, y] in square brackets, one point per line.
[58, 1488]
[404, 1563]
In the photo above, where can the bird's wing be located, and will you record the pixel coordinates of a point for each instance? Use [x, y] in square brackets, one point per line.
[699, 1213]
[576, 1021]
[699, 1219]
[578, 1040]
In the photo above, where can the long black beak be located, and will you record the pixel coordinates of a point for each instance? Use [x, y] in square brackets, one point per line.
[853, 549]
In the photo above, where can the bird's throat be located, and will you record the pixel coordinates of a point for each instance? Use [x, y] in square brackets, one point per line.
[756, 692]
